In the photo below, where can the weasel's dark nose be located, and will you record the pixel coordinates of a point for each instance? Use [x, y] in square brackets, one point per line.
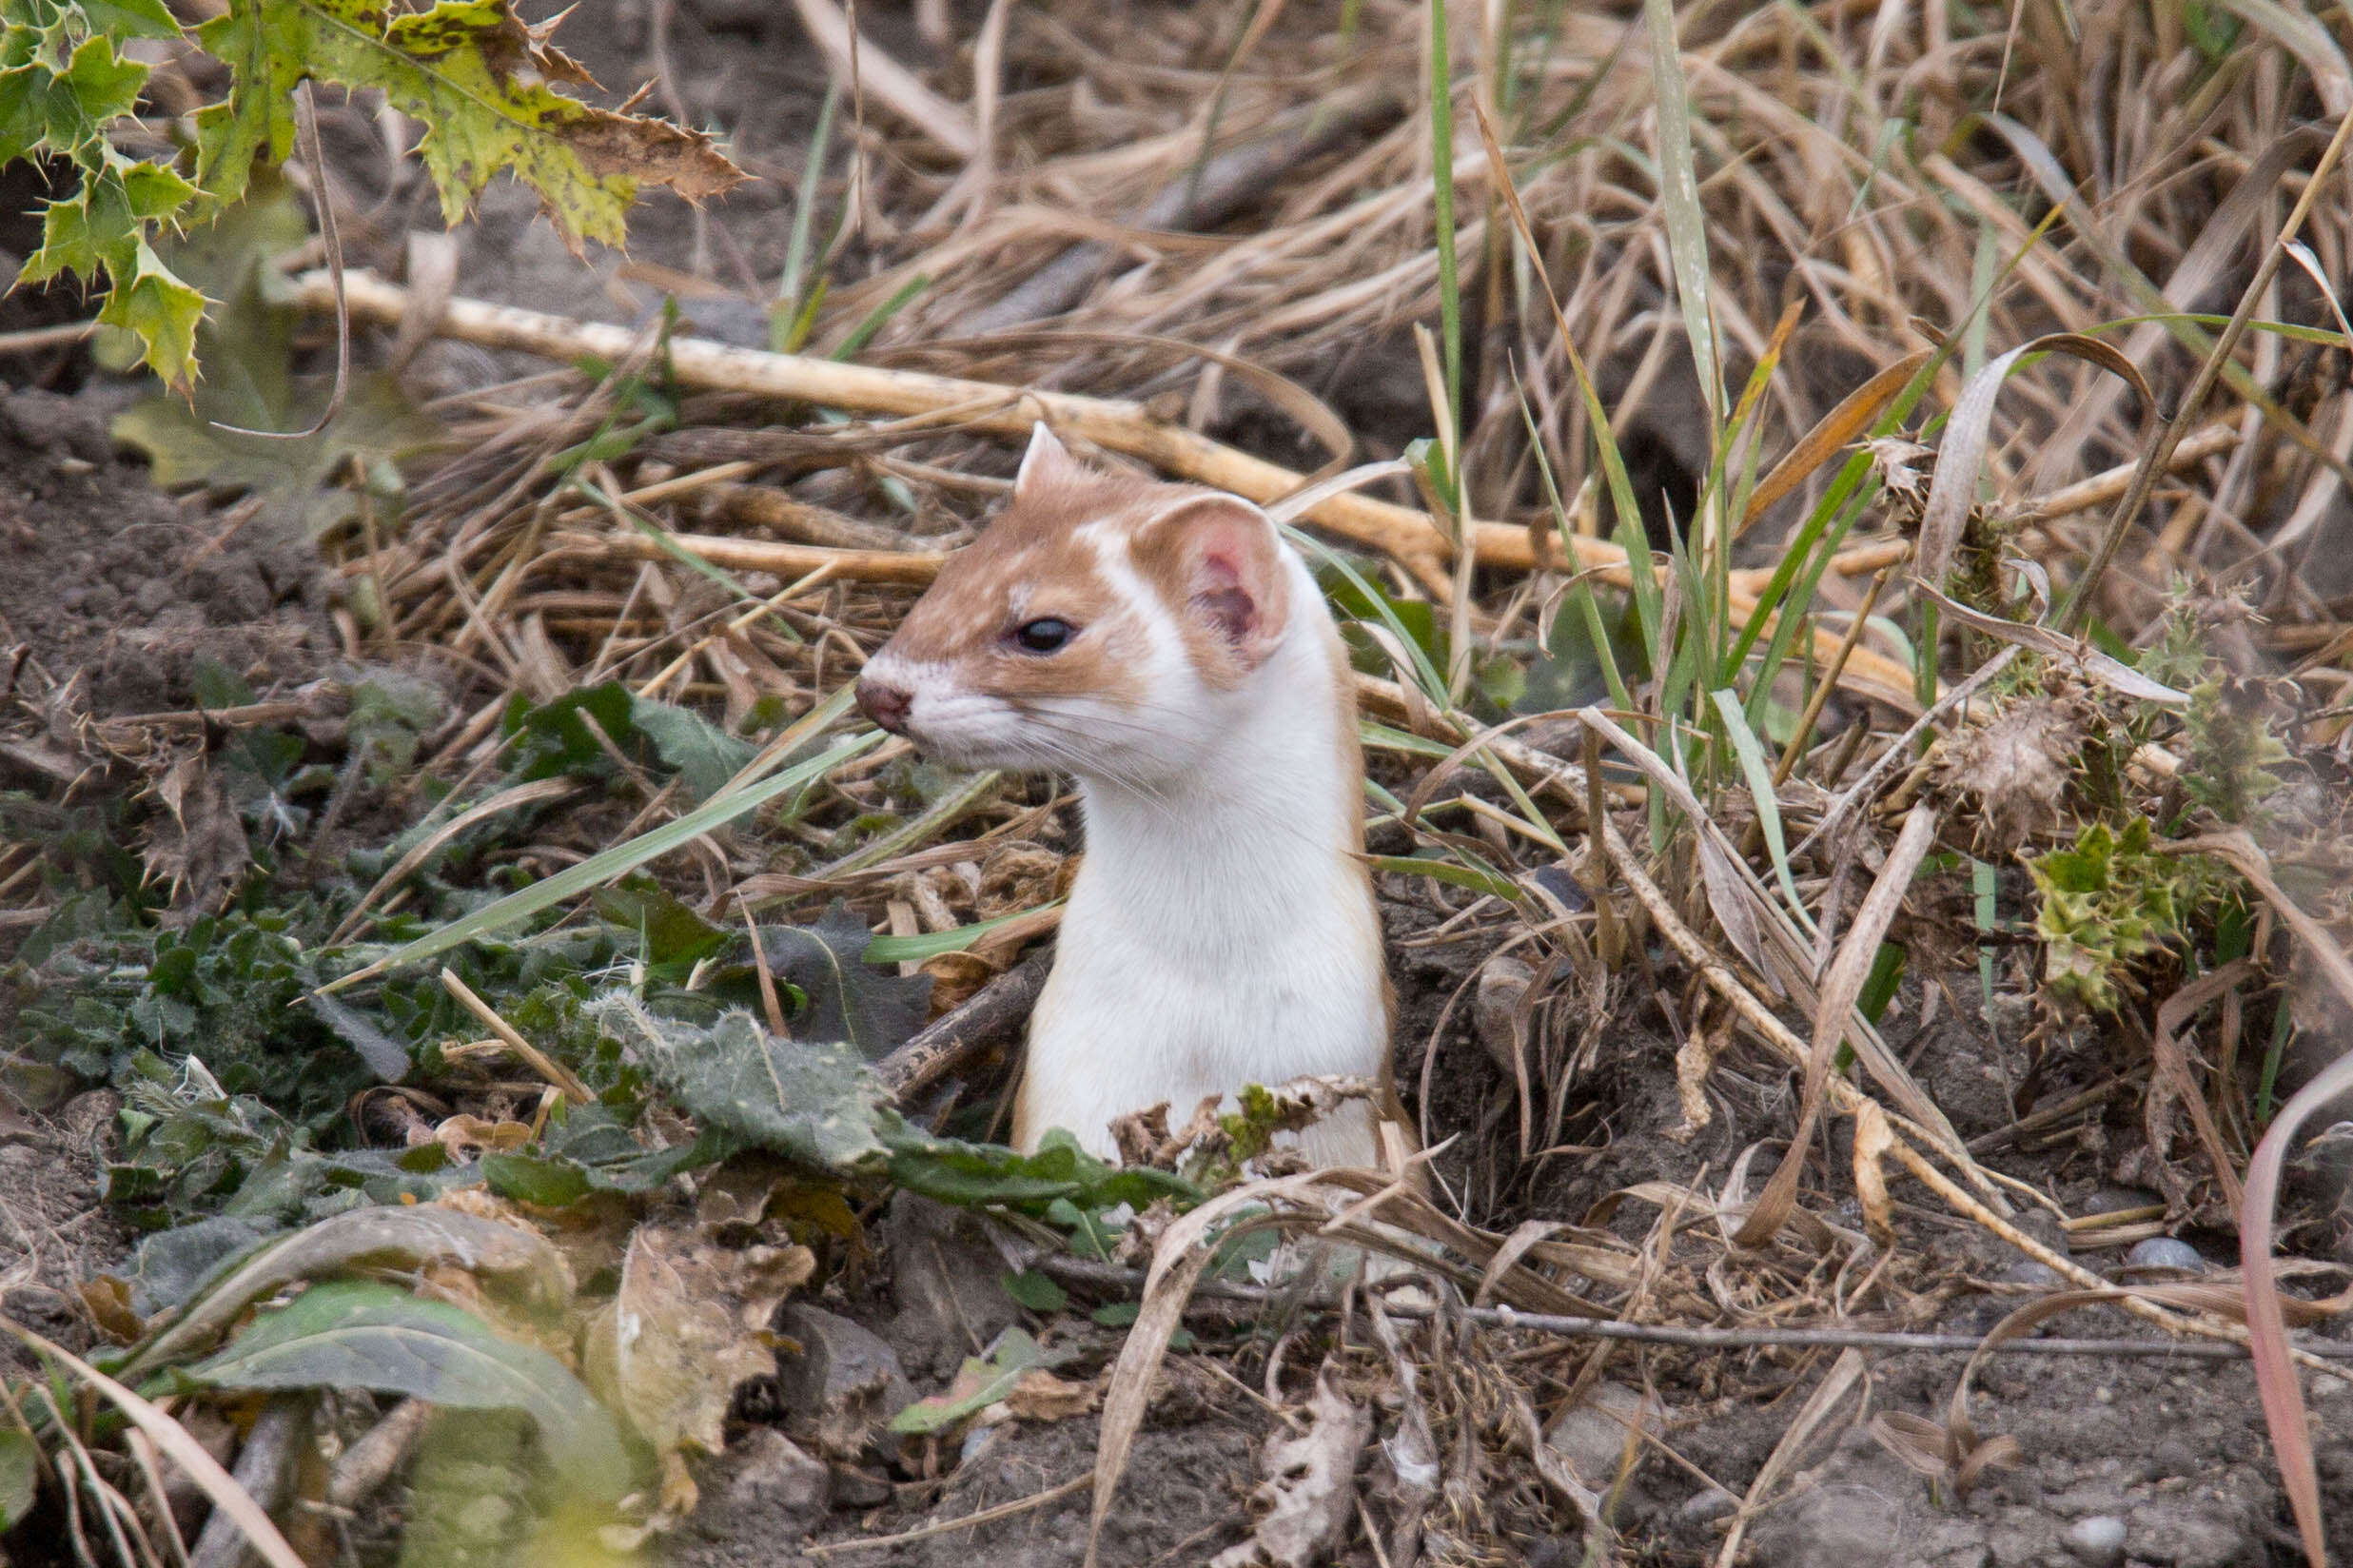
[886, 705]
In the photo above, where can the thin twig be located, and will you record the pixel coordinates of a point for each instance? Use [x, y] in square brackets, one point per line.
[539, 1061]
[989, 1015]
[987, 1516]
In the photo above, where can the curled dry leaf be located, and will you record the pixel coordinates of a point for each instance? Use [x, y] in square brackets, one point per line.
[1873, 1137]
[1893, 458]
[2275, 1376]
[688, 1324]
[1039, 1396]
[466, 1137]
[1836, 431]
[1927, 1448]
[196, 846]
[2113, 673]
[1309, 1489]
[1953, 492]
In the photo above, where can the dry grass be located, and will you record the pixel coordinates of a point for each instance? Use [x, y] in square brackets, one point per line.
[1221, 214]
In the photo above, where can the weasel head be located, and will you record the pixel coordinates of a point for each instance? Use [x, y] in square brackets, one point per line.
[1103, 625]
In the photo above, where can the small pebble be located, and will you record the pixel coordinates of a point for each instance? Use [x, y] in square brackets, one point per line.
[1712, 1503]
[2027, 1271]
[2097, 1539]
[2164, 1252]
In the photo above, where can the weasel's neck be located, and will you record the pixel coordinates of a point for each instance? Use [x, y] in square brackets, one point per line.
[1256, 845]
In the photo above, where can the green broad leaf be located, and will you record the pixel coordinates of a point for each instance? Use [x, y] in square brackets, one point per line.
[1117, 1314]
[246, 346]
[385, 1057]
[1034, 1290]
[555, 737]
[358, 1334]
[978, 1384]
[674, 934]
[550, 1180]
[187, 444]
[20, 1475]
[397, 1236]
[1060, 1173]
[170, 1265]
[815, 1101]
[703, 755]
[589, 1151]
[850, 998]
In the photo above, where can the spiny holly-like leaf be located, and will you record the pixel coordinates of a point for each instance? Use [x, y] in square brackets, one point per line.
[162, 311]
[478, 79]
[102, 227]
[265, 43]
[848, 999]
[358, 1334]
[131, 18]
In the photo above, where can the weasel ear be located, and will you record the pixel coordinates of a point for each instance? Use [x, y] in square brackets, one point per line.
[1046, 463]
[1220, 568]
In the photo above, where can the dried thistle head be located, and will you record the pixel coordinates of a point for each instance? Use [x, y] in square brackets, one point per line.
[2015, 770]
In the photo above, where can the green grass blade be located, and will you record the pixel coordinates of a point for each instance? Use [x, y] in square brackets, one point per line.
[914, 950]
[875, 319]
[1442, 202]
[1425, 674]
[599, 870]
[1678, 191]
[1757, 771]
[789, 288]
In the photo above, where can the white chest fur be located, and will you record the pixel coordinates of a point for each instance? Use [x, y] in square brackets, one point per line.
[1220, 931]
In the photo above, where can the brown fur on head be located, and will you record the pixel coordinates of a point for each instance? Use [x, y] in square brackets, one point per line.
[1089, 628]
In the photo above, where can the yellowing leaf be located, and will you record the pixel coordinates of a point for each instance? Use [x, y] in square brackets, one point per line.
[689, 1323]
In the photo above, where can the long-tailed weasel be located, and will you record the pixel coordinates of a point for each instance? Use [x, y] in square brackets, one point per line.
[1162, 644]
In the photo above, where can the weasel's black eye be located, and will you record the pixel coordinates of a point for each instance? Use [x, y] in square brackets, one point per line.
[1043, 637]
